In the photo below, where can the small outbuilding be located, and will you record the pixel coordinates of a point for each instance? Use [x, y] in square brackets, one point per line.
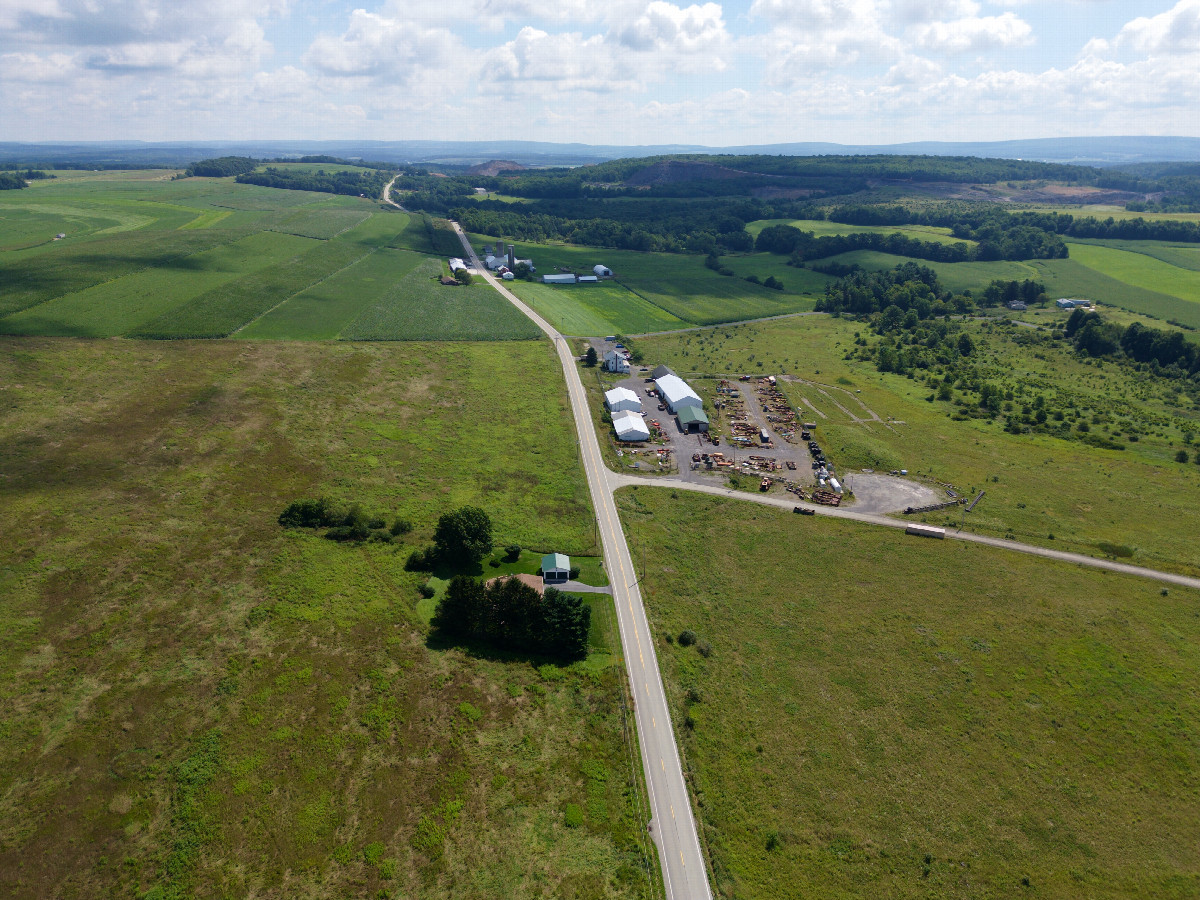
[630, 426]
[556, 567]
[456, 264]
[692, 419]
[616, 361]
[602, 271]
[620, 398]
[588, 279]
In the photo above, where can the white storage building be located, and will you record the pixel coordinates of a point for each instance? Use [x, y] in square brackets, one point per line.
[620, 398]
[558, 279]
[456, 264]
[630, 426]
[676, 393]
[602, 271]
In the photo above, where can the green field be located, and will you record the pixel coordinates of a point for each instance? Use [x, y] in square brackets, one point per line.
[197, 702]
[1143, 272]
[594, 309]
[417, 307]
[881, 716]
[823, 227]
[1037, 485]
[145, 256]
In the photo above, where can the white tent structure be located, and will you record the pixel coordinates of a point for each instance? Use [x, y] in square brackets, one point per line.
[620, 398]
[676, 393]
[630, 426]
[602, 271]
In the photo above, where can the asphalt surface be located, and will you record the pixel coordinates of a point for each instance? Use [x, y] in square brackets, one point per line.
[673, 828]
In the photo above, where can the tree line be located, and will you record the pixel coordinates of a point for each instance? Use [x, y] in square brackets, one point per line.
[1169, 353]
[510, 615]
[368, 183]
[221, 167]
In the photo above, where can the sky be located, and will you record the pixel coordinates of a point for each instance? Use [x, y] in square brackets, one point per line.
[625, 72]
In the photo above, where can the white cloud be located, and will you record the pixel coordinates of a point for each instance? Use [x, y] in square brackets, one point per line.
[974, 34]
[375, 46]
[664, 27]
[538, 60]
[1175, 31]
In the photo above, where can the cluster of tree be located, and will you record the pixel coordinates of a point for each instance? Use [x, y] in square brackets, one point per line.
[367, 183]
[1168, 353]
[462, 538]
[11, 181]
[221, 167]
[1002, 293]
[909, 291]
[344, 524]
[510, 615]
[1015, 242]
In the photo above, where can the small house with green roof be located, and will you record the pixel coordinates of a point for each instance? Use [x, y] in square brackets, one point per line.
[556, 567]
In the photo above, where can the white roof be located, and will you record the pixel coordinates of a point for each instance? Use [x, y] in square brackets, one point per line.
[675, 391]
[630, 426]
[622, 398]
[456, 264]
[601, 270]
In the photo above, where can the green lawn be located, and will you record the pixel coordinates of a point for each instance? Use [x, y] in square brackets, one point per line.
[880, 715]
[195, 701]
[1037, 485]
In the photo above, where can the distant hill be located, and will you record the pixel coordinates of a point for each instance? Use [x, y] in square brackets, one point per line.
[459, 155]
[674, 171]
[495, 167]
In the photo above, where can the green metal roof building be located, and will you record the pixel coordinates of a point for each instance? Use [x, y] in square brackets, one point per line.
[556, 567]
[692, 418]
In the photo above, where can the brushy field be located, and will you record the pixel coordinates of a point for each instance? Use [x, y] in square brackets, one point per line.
[823, 227]
[883, 716]
[1040, 489]
[417, 307]
[197, 702]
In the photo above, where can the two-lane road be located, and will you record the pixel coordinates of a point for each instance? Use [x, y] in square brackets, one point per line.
[673, 828]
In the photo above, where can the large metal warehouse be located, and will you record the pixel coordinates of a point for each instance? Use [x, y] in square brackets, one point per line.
[620, 398]
[675, 393]
[630, 426]
[692, 418]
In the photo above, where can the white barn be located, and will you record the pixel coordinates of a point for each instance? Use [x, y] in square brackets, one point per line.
[676, 393]
[620, 398]
[616, 361]
[602, 271]
[630, 426]
[558, 279]
[456, 264]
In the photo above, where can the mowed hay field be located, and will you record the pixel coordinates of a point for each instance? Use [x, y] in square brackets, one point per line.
[885, 716]
[195, 701]
[148, 257]
[1041, 489]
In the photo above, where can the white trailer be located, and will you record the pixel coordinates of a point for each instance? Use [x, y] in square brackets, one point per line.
[929, 531]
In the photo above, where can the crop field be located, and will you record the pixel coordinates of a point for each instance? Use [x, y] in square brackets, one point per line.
[196, 701]
[1040, 489]
[417, 307]
[882, 716]
[149, 257]
[594, 309]
[823, 227]
[1144, 272]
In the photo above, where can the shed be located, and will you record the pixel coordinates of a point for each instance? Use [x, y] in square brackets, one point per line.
[660, 372]
[630, 426]
[456, 264]
[508, 276]
[558, 279]
[616, 361]
[588, 279]
[556, 567]
[620, 398]
[676, 394]
[692, 419]
[602, 271]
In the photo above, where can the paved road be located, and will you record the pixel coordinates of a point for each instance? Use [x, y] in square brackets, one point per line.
[673, 828]
[621, 480]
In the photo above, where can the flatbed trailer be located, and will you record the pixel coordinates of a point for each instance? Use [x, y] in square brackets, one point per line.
[929, 531]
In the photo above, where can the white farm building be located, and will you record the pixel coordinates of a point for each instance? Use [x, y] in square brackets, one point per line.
[456, 264]
[616, 361]
[676, 394]
[602, 271]
[620, 398]
[558, 279]
[630, 426]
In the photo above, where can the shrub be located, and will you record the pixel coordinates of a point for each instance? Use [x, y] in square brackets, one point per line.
[307, 514]
[376, 522]
[1181, 456]
[704, 648]
[573, 815]
[687, 638]
[426, 590]
[512, 553]
[381, 536]
[421, 560]
[573, 572]
[464, 535]
[401, 526]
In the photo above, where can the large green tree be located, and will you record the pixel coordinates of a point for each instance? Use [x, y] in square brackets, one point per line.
[463, 536]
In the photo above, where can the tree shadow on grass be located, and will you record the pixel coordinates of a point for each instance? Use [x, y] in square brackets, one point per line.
[476, 649]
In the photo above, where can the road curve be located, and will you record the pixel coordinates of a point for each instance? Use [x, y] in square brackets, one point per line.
[620, 480]
[685, 874]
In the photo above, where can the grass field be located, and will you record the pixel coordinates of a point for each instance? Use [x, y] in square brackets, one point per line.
[1144, 272]
[823, 227]
[1037, 485]
[417, 307]
[885, 716]
[594, 309]
[195, 701]
[148, 257]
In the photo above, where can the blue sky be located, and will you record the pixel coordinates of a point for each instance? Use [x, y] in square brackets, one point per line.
[617, 72]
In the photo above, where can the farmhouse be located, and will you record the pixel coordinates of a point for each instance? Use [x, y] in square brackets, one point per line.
[676, 394]
[556, 567]
[620, 398]
[602, 271]
[616, 361]
[630, 426]
[692, 419]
